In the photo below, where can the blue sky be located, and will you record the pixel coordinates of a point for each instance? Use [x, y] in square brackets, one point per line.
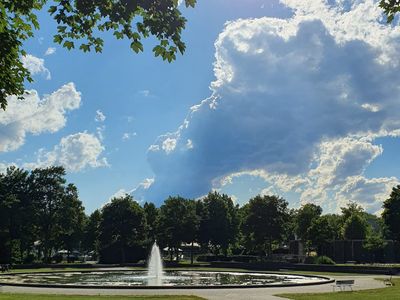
[290, 98]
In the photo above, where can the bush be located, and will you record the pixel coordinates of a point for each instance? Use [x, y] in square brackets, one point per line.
[324, 260]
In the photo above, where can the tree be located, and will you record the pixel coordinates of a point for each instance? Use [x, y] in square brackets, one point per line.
[191, 223]
[83, 20]
[219, 222]
[16, 218]
[122, 230]
[391, 213]
[355, 228]
[352, 208]
[90, 240]
[374, 244]
[47, 192]
[152, 217]
[265, 221]
[390, 8]
[321, 232]
[70, 220]
[178, 222]
[306, 215]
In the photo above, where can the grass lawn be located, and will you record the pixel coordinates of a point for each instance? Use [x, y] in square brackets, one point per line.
[70, 297]
[389, 293]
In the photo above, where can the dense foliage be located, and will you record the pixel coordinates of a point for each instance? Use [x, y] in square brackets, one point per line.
[80, 24]
[41, 214]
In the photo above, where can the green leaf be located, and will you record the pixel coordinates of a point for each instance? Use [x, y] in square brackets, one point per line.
[58, 39]
[69, 45]
[52, 9]
[190, 3]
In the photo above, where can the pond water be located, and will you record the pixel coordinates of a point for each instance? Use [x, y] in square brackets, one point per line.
[170, 278]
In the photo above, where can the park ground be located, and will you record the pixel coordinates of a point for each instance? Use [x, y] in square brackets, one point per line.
[367, 287]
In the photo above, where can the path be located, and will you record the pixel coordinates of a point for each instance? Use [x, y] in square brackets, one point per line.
[361, 283]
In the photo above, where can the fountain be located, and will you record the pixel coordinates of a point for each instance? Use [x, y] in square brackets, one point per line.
[155, 277]
[155, 268]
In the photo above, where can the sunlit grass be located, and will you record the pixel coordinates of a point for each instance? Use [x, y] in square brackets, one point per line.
[389, 293]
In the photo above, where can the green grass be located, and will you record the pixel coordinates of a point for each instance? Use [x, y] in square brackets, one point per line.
[74, 297]
[389, 293]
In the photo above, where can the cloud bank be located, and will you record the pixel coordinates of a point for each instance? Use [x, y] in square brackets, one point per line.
[296, 100]
[75, 152]
[35, 115]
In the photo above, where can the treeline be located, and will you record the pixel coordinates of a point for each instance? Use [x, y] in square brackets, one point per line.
[40, 213]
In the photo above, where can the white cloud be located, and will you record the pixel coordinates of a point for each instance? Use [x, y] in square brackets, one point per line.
[118, 194]
[35, 65]
[128, 135]
[144, 93]
[189, 144]
[35, 116]
[100, 132]
[369, 193]
[75, 152]
[50, 51]
[100, 117]
[296, 100]
[169, 145]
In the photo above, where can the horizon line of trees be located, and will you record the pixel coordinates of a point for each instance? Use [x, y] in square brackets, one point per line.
[40, 214]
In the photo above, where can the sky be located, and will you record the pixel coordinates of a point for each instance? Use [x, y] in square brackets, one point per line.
[295, 98]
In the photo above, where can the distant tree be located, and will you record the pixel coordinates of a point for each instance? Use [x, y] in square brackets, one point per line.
[265, 221]
[90, 240]
[351, 209]
[355, 228]
[84, 20]
[191, 223]
[47, 191]
[178, 222]
[391, 213]
[16, 218]
[374, 243]
[219, 222]
[122, 229]
[335, 225]
[70, 220]
[152, 217]
[320, 233]
[171, 228]
[305, 216]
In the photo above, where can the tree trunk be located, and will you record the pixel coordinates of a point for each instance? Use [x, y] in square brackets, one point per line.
[122, 254]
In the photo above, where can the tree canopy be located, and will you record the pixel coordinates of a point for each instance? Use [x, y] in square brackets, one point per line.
[390, 8]
[41, 214]
[391, 213]
[265, 219]
[79, 25]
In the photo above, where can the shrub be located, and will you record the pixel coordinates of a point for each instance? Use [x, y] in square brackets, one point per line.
[324, 260]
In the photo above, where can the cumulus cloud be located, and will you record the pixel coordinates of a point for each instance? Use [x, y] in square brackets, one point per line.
[35, 65]
[34, 115]
[294, 99]
[50, 51]
[75, 152]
